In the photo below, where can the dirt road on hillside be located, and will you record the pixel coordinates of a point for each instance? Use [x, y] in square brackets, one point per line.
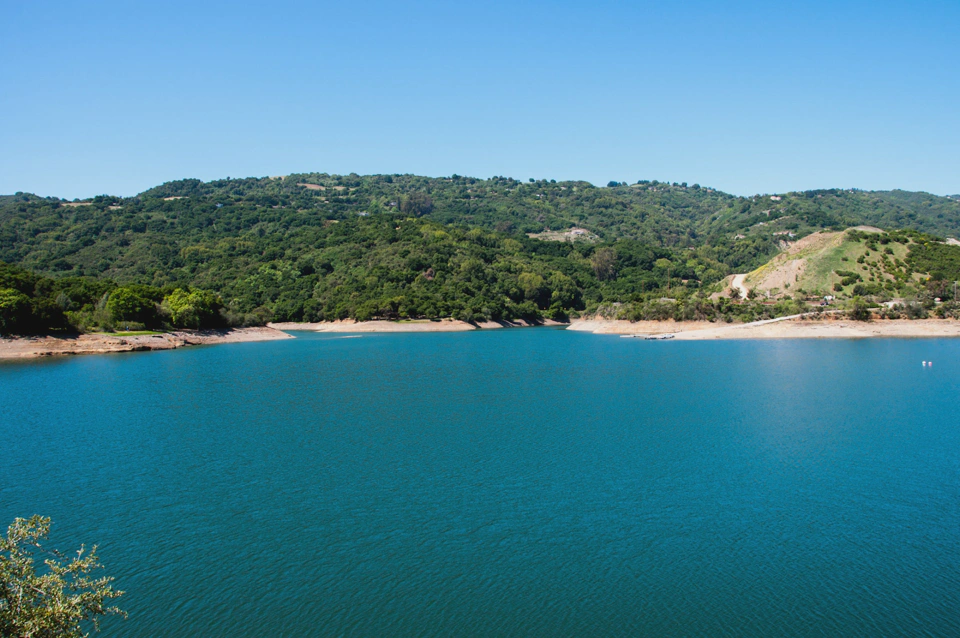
[737, 284]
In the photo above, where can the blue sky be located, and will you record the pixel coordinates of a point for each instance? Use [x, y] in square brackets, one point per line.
[110, 97]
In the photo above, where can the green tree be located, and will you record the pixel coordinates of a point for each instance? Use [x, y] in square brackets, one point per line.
[367, 310]
[565, 293]
[531, 284]
[55, 599]
[192, 309]
[859, 311]
[604, 262]
[14, 311]
[125, 304]
[417, 204]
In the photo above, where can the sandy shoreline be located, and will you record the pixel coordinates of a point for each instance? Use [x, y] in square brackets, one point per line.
[32, 347]
[446, 325]
[425, 325]
[792, 329]
[784, 328]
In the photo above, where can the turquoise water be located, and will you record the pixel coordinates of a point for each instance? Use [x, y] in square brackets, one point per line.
[509, 483]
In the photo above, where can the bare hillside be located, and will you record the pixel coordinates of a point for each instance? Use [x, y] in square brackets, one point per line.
[829, 263]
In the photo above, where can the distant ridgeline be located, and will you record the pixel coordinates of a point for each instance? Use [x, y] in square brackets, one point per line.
[317, 247]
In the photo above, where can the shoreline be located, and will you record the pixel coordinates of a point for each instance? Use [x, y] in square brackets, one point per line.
[415, 325]
[795, 327]
[48, 346]
[19, 348]
[786, 329]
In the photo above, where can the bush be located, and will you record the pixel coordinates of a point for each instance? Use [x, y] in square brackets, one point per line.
[867, 289]
[129, 326]
[914, 310]
[557, 313]
[889, 313]
[859, 311]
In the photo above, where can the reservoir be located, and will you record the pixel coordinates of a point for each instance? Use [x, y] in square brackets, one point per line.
[502, 483]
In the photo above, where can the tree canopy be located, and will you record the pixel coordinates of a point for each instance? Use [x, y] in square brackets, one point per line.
[45, 594]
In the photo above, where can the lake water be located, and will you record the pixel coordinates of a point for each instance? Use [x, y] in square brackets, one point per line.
[508, 483]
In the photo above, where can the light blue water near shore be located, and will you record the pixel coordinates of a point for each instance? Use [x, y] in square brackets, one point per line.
[509, 483]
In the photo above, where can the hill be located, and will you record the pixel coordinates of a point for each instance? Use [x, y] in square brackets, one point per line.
[317, 246]
[743, 232]
[863, 261]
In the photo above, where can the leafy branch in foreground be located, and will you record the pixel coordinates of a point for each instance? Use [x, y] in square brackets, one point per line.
[54, 598]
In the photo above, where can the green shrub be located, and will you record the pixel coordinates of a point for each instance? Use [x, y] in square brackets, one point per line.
[867, 289]
[126, 305]
[859, 310]
[193, 309]
[15, 311]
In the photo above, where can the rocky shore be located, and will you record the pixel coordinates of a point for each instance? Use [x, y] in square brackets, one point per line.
[48, 346]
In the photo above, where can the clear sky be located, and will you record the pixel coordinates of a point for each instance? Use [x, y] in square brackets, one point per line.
[749, 97]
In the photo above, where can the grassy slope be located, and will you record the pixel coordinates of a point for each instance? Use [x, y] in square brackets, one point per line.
[800, 265]
[811, 266]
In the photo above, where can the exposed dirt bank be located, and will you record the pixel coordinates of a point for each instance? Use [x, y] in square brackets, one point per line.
[348, 325]
[737, 284]
[30, 347]
[444, 325]
[616, 327]
[33, 347]
[790, 329]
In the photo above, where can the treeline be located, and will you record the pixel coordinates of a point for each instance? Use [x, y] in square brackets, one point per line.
[395, 267]
[94, 237]
[33, 304]
[699, 307]
[388, 266]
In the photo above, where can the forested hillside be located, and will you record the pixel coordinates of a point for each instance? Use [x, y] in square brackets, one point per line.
[318, 246]
[394, 266]
[654, 212]
[48, 234]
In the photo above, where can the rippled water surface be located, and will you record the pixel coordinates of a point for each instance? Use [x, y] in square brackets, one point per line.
[510, 483]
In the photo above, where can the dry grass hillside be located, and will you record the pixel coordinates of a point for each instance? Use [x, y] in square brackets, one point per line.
[819, 263]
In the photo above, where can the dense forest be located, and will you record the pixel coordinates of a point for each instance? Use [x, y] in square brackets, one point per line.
[31, 304]
[319, 247]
